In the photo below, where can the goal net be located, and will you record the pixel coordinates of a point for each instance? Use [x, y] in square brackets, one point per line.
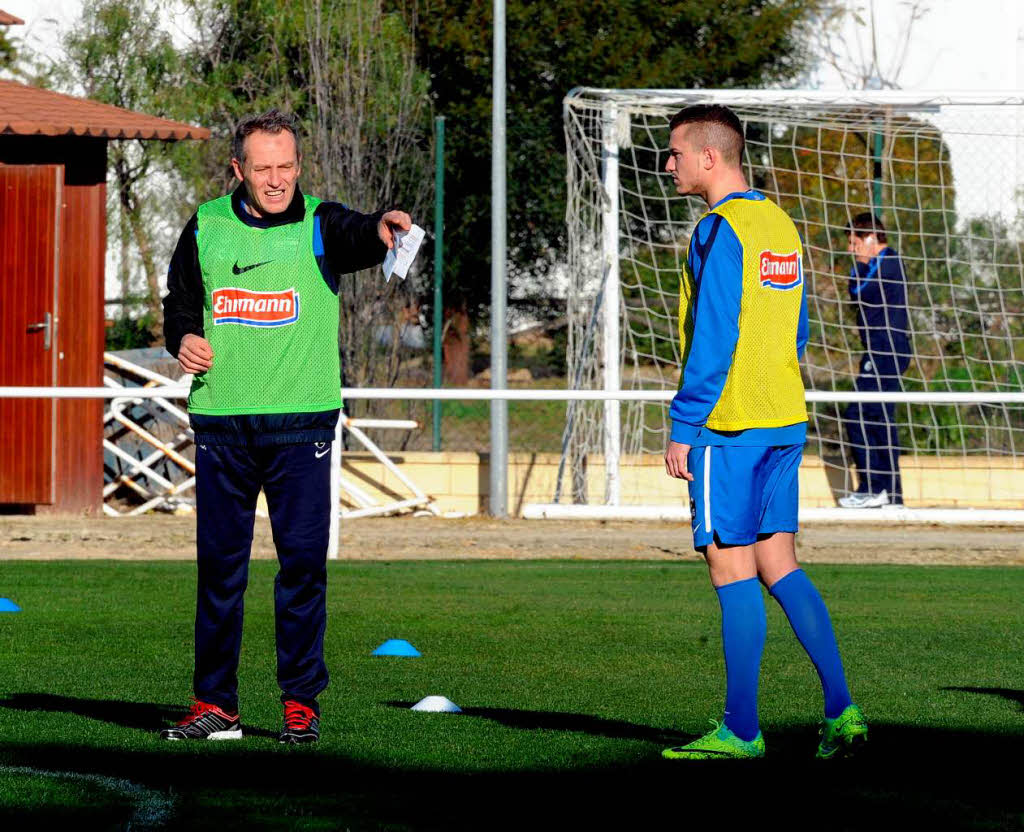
[942, 172]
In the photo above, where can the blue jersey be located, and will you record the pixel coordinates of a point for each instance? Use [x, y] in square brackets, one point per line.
[716, 260]
[879, 288]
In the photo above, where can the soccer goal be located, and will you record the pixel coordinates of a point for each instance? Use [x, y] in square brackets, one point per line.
[943, 172]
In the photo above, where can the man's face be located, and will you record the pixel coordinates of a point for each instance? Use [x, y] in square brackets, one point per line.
[685, 162]
[270, 171]
[862, 248]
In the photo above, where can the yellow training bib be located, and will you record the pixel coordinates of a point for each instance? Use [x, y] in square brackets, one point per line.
[763, 388]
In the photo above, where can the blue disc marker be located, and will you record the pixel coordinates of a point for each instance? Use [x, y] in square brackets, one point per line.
[7, 605]
[396, 647]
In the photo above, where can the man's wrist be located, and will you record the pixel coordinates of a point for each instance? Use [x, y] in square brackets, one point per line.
[685, 433]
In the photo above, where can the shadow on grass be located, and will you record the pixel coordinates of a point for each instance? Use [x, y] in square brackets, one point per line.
[143, 716]
[1006, 693]
[907, 776]
[562, 721]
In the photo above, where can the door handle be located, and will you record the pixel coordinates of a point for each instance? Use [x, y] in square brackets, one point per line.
[47, 326]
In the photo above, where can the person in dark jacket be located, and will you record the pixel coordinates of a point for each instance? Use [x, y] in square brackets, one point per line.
[252, 313]
[878, 287]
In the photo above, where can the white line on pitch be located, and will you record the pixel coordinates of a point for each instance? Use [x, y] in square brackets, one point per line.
[151, 809]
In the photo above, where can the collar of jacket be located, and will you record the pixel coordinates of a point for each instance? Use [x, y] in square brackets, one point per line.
[295, 212]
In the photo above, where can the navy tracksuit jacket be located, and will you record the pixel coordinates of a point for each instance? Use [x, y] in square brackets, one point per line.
[879, 290]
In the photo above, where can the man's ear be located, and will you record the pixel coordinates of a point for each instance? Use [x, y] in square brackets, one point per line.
[236, 166]
[709, 156]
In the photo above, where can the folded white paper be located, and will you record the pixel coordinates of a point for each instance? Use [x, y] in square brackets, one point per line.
[400, 257]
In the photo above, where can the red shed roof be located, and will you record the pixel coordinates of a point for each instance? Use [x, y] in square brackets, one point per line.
[8, 19]
[30, 111]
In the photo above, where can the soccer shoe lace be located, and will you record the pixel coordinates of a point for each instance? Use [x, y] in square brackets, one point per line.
[298, 717]
[198, 709]
[842, 736]
[719, 743]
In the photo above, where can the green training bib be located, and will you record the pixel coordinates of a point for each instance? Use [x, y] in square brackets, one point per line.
[269, 316]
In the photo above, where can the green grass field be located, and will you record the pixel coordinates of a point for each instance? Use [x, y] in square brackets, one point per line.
[573, 677]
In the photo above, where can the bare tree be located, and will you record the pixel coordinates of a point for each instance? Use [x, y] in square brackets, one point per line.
[848, 36]
[347, 69]
[118, 53]
[368, 145]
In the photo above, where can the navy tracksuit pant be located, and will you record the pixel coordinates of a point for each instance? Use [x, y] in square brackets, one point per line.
[296, 481]
[872, 429]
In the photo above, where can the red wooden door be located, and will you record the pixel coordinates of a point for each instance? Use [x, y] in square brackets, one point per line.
[30, 206]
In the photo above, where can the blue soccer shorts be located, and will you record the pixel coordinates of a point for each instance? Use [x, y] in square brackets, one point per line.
[741, 492]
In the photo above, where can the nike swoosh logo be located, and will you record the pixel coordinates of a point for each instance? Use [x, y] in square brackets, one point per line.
[682, 750]
[236, 269]
[324, 452]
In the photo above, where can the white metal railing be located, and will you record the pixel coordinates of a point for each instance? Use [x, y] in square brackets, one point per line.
[548, 395]
[155, 489]
[367, 507]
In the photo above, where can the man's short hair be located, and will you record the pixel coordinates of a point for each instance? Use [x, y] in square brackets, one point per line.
[272, 121]
[865, 224]
[720, 128]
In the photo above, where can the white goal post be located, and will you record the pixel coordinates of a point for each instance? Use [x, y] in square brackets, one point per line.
[944, 170]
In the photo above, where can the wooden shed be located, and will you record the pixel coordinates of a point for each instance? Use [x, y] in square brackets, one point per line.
[53, 217]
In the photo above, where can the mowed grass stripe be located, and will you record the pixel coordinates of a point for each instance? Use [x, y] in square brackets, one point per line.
[573, 677]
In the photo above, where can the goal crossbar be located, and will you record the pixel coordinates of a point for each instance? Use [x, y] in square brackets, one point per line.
[912, 99]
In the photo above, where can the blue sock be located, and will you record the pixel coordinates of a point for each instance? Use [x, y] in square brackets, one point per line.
[808, 616]
[743, 633]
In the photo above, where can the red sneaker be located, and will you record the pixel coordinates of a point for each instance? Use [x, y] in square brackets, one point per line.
[301, 723]
[205, 722]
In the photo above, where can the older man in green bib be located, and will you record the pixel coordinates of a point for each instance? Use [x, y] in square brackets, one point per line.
[252, 313]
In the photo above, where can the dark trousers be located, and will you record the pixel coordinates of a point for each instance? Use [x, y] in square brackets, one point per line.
[872, 429]
[296, 480]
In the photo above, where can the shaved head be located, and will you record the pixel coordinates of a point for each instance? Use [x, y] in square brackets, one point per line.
[712, 125]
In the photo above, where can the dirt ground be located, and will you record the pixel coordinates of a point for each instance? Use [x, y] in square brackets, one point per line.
[168, 537]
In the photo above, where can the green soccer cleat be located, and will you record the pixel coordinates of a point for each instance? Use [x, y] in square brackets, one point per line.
[718, 744]
[844, 735]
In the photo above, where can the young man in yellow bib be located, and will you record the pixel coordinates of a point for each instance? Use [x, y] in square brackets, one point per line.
[739, 423]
